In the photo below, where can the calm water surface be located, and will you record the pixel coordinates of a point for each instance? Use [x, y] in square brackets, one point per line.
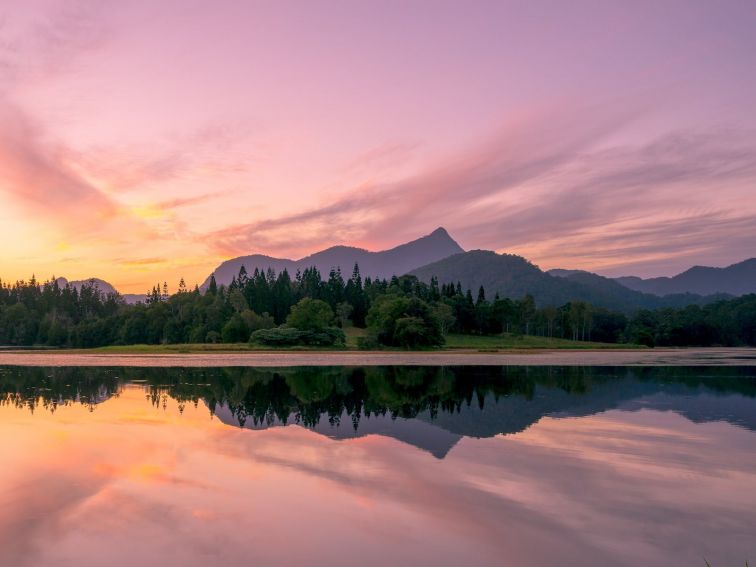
[520, 466]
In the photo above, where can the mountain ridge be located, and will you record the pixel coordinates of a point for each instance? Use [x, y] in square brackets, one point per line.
[735, 279]
[510, 275]
[513, 276]
[381, 264]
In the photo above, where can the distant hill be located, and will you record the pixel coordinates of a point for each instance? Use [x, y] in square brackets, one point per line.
[737, 279]
[103, 286]
[437, 254]
[384, 264]
[605, 290]
[514, 276]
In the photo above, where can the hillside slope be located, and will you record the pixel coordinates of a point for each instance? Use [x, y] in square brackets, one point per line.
[737, 279]
[513, 276]
[383, 264]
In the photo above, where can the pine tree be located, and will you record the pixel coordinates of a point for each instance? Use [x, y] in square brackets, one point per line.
[243, 277]
[481, 296]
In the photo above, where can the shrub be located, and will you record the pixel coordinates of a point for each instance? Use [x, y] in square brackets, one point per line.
[289, 336]
[279, 336]
[213, 337]
[256, 322]
[405, 322]
[310, 315]
[330, 336]
[235, 331]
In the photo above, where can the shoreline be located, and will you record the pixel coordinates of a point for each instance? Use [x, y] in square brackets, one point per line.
[556, 357]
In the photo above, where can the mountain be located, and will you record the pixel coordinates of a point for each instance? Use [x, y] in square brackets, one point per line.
[384, 264]
[606, 290]
[737, 279]
[103, 286]
[514, 276]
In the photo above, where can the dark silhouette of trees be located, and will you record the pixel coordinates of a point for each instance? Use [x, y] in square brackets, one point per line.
[401, 311]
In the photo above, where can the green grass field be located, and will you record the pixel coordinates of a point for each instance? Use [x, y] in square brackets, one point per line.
[199, 348]
[453, 342]
[509, 341]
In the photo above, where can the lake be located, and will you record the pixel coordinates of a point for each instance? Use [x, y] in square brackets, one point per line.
[522, 466]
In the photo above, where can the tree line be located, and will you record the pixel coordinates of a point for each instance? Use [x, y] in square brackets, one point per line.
[277, 309]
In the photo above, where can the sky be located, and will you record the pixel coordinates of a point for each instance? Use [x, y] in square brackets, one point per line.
[148, 141]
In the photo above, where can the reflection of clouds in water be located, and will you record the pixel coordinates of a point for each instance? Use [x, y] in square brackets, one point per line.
[388, 473]
[586, 482]
[34, 512]
[148, 486]
[646, 483]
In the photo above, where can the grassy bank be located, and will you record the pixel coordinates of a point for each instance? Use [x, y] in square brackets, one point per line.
[509, 341]
[470, 343]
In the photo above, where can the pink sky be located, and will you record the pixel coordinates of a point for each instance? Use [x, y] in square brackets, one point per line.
[146, 141]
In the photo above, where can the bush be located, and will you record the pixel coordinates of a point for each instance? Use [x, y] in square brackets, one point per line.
[235, 331]
[330, 336]
[256, 322]
[404, 322]
[368, 342]
[411, 332]
[644, 337]
[279, 336]
[289, 336]
[310, 315]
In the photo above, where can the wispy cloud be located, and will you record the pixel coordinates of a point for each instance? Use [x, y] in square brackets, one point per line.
[550, 189]
[517, 155]
[142, 262]
[125, 129]
[35, 173]
[680, 197]
[44, 45]
[214, 150]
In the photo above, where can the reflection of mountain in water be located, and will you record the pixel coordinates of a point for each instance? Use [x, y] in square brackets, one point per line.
[427, 436]
[513, 414]
[430, 408]
[700, 407]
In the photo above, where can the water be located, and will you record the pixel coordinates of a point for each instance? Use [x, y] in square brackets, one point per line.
[381, 466]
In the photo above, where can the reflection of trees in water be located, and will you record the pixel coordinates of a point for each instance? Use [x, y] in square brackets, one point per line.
[307, 395]
[50, 388]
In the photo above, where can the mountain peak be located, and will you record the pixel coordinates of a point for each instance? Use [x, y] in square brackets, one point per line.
[383, 264]
[441, 235]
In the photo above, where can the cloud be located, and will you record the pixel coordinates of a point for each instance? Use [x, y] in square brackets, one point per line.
[383, 158]
[139, 262]
[44, 46]
[48, 184]
[516, 155]
[552, 188]
[121, 168]
[679, 197]
[35, 174]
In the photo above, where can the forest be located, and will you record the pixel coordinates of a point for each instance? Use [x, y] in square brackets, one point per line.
[272, 309]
